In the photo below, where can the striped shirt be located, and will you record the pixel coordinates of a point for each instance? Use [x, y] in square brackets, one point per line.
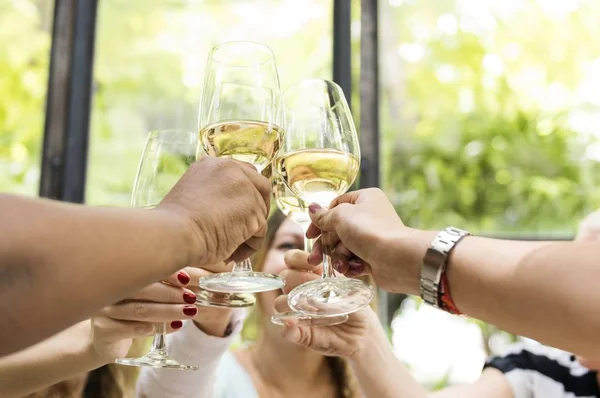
[536, 371]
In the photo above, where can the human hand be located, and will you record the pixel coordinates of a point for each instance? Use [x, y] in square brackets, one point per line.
[211, 320]
[344, 340]
[363, 228]
[113, 328]
[226, 204]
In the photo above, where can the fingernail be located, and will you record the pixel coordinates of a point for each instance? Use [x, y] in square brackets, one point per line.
[189, 297]
[313, 207]
[337, 265]
[183, 278]
[176, 324]
[190, 311]
[356, 269]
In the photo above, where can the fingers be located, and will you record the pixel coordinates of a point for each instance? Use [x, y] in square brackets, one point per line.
[357, 267]
[181, 278]
[162, 293]
[295, 278]
[262, 184]
[114, 330]
[298, 260]
[281, 304]
[197, 273]
[324, 219]
[340, 257]
[301, 335]
[316, 255]
[119, 330]
[243, 252]
[150, 312]
[349, 197]
[224, 266]
[255, 242]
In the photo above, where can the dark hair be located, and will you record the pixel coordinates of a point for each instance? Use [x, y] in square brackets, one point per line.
[346, 386]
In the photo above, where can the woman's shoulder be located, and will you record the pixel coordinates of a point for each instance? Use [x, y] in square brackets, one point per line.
[232, 380]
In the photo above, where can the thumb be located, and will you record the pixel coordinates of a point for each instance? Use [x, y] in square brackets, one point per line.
[296, 334]
[322, 220]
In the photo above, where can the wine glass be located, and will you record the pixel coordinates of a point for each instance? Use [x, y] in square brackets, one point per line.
[166, 157]
[241, 117]
[319, 161]
[297, 210]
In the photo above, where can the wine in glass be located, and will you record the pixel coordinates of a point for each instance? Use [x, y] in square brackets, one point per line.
[319, 161]
[241, 117]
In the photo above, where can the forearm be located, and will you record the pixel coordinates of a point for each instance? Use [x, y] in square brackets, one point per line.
[543, 290]
[379, 373]
[61, 262]
[60, 357]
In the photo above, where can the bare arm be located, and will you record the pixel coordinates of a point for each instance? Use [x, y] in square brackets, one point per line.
[61, 262]
[60, 357]
[491, 384]
[543, 290]
[379, 373]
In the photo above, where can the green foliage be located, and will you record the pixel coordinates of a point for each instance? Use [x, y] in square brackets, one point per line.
[24, 46]
[468, 140]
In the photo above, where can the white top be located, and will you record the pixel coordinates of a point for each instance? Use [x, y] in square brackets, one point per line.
[220, 375]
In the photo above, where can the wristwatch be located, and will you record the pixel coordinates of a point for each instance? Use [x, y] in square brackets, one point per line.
[434, 263]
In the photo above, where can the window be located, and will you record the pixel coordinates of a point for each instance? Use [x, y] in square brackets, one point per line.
[490, 113]
[150, 58]
[25, 36]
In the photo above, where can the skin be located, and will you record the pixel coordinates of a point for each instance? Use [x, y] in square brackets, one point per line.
[93, 343]
[371, 347]
[123, 249]
[271, 376]
[522, 287]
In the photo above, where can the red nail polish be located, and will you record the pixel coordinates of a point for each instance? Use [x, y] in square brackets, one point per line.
[176, 324]
[313, 207]
[183, 278]
[189, 298]
[190, 311]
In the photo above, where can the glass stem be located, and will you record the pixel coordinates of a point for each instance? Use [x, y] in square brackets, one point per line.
[244, 266]
[327, 268]
[159, 344]
[308, 243]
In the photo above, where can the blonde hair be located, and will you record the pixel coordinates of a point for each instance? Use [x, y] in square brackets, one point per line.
[346, 384]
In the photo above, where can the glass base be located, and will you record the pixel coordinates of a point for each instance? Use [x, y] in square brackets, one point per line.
[242, 282]
[308, 320]
[155, 360]
[205, 298]
[330, 296]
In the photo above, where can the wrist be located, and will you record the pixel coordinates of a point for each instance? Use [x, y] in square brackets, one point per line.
[86, 351]
[407, 247]
[184, 244]
[375, 344]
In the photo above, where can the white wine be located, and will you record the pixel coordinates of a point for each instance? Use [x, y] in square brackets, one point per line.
[318, 175]
[249, 141]
[289, 204]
